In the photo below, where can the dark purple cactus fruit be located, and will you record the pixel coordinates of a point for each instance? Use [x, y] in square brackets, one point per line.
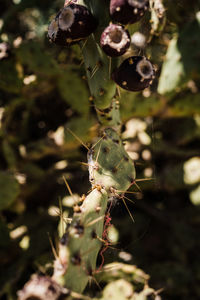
[128, 11]
[134, 74]
[73, 23]
[115, 40]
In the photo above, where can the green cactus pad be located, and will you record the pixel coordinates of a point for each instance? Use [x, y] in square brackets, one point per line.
[98, 65]
[109, 164]
[102, 88]
[78, 254]
[169, 80]
[110, 116]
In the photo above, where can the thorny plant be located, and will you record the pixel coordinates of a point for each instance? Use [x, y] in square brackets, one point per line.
[111, 170]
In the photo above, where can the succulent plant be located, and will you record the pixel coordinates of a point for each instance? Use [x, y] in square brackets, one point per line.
[111, 170]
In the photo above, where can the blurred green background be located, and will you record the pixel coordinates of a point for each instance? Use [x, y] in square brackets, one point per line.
[43, 92]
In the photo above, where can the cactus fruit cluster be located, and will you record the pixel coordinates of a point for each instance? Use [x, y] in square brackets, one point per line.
[111, 170]
[75, 23]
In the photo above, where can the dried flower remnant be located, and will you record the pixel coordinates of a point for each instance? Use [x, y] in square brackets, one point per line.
[115, 40]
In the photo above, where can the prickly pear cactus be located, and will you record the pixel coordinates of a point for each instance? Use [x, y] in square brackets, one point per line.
[111, 170]
[79, 247]
[109, 164]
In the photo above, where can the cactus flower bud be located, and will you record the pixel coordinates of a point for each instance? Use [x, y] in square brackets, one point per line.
[128, 11]
[134, 74]
[115, 40]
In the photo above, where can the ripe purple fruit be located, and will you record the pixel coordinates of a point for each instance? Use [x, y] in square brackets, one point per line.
[134, 74]
[73, 23]
[115, 40]
[128, 11]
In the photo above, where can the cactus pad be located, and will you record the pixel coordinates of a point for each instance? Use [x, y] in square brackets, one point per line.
[109, 164]
[81, 243]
